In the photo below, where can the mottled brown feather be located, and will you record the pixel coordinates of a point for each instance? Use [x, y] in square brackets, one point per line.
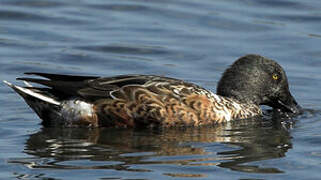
[164, 103]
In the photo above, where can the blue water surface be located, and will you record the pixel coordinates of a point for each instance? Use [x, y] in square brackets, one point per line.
[187, 39]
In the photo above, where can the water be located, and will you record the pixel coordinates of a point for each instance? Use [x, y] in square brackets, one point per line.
[186, 39]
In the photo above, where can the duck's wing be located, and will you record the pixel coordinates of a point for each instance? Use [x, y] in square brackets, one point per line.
[92, 87]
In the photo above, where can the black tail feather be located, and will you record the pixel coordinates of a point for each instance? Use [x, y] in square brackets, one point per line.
[62, 77]
[66, 84]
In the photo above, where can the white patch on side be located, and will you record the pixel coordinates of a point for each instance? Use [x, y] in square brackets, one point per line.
[215, 96]
[227, 114]
[32, 93]
[237, 106]
[74, 110]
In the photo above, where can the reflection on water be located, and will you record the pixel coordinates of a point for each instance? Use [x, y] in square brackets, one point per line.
[233, 146]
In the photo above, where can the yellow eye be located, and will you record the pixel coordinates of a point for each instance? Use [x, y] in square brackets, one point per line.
[275, 76]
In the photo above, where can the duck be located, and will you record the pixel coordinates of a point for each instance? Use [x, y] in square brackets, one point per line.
[156, 101]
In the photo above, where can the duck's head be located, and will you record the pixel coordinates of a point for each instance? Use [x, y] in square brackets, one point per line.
[259, 80]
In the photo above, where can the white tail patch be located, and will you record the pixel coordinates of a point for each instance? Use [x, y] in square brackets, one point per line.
[74, 110]
[32, 93]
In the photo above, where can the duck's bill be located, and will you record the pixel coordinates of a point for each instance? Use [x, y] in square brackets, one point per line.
[289, 106]
[295, 108]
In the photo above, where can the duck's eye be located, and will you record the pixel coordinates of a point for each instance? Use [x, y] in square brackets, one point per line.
[275, 76]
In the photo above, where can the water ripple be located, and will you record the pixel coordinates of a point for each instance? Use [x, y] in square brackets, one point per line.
[125, 49]
[33, 3]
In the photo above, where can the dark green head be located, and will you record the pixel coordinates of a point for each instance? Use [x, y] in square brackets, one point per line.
[259, 80]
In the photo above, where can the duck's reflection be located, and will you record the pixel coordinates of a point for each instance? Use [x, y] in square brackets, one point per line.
[238, 146]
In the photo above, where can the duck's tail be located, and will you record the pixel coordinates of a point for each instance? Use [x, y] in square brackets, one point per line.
[46, 106]
[55, 110]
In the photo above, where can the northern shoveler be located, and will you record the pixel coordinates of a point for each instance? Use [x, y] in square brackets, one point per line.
[148, 100]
